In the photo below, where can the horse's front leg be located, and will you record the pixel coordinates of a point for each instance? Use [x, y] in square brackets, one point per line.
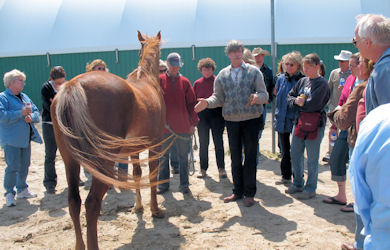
[92, 206]
[153, 171]
[137, 173]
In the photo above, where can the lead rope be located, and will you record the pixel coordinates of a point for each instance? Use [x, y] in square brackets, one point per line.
[191, 158]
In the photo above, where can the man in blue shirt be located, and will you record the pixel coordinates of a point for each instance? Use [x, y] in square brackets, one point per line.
[369, 176]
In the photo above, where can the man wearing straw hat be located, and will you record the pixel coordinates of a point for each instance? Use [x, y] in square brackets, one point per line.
[269, 81]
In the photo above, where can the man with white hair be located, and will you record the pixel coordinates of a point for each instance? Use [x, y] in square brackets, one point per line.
[372, 38]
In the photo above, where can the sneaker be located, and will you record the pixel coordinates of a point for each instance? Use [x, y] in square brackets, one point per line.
[222, 173]
[306, 195]
[10, 200]
[293, 189]
[26, 194]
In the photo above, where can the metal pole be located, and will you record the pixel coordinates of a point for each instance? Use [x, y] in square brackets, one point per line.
[273, 54]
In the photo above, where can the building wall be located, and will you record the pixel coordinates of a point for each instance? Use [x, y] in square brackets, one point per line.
[37, 70]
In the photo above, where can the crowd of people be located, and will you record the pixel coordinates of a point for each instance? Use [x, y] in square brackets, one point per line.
[236, 98]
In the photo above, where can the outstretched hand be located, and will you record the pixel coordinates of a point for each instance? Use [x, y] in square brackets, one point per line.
[201, 105]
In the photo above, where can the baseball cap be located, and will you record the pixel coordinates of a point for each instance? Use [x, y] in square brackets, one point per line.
[174, 60]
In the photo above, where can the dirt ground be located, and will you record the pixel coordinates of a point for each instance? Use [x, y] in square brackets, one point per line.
[199, 220]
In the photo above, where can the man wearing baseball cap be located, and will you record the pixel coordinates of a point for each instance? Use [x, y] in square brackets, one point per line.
[336, 82]
[181, 120]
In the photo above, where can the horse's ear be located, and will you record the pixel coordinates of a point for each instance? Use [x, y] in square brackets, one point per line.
[140, 37]
[159, 35]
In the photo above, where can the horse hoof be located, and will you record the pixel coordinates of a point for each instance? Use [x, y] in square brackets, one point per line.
[158, 214]
[138, 209]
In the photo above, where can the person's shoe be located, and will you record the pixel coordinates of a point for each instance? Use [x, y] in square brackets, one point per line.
[222, 173]
[249, 201]
[348, 246]
[162, 190]
[185, 190]
[202, 174]
[283, 181]
[326, 158]
[231, 198]
[293, 189]
[26, 194]
[10, 200]
[306, 195]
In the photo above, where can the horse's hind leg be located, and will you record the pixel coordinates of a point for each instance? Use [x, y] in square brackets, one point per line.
[153, 170]
[137, 173]
[74, 201]
[93, 205]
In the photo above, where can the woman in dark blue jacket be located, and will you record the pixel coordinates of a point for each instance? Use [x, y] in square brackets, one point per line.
[285, 115]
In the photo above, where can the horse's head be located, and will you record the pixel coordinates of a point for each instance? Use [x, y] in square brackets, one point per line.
[149, 43]
[149, 56]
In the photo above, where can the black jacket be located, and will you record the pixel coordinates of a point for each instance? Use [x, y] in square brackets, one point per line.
[269, 81]
[47, 94]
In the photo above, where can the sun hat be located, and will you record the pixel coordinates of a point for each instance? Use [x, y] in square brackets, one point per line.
[259, 51]
[344, 55]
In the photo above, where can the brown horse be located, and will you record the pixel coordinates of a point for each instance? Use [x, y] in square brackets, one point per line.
[99, 118]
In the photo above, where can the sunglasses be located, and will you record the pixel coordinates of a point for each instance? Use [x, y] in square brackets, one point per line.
[354, 42]
[163, 70]
[289, 64]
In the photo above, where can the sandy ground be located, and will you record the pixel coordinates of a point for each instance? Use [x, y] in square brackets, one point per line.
[199, 220]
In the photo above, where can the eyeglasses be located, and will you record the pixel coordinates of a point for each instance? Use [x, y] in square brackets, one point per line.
[354, 42]
[289, 64]
[163, 70]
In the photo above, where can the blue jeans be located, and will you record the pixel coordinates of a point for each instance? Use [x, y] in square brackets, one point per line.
[182, 146]
[174, 157]
[297, 160]
[18, 161]
[123, 166]
[339, 157]
[50, 179]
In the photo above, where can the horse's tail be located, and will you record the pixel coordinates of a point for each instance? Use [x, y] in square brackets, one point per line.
[92, 147]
